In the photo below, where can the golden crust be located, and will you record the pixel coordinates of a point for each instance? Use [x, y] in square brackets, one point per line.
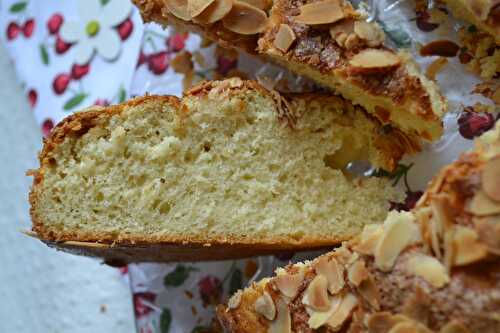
[391, 145]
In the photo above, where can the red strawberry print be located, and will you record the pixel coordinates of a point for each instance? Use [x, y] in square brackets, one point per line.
[158, 62]
[142, 58]
[141, 308]
[423, 23]
[13, 30]
[410, 201]
[473, 124]
[47, 126]
[79, 71]
[210, 289]
[32, 97]
[28, 28]
[125, 29]
[177, 42]
[101, 102]
[54, 23]
[224, 64]
[60, 83]
[61, 46]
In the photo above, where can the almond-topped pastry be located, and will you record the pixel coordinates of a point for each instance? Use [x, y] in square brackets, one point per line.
[484, 14]
[328, 41]
[434, 269]
[230, 170]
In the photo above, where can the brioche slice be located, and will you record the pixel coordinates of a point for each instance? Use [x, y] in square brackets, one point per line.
[484, 14]
[325, 40]
[230, 170]
[435, 269]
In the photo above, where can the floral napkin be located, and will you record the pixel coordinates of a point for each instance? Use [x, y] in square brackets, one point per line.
[73, 54]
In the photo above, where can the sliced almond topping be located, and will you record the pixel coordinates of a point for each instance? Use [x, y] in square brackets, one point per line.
[417, 306]
[321, 12]
[428, 268]
[409, 327]
[482, 205]
[261, 4]
[488, 230]
[264, 305]
[382, 322]
[333, 271]
[349, 302]
[344, 26]
[400, 231]
[316, 294]
[288, 284]
[467, 247]
[284, 38]
[490, 179]
[235, 300]
[357, 272]
[369, 238]
[374, 60]
[369, 32]
[342, 255]
[369, 291]
[283, 322]
[178, 8]
[215, 12]
[318, 319]
[245, 19]
[454, 327]
[195, 7]
[435, 67]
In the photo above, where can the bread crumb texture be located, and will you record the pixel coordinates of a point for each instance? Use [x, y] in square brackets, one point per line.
[218, 166]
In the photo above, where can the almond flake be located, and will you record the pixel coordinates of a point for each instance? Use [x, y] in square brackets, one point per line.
[374, 60]
[467, 246]
[284, 38]
[245, 19]
[341, 30]
[333, 271]
[357, 272]
[482, 205]
[261, 4]
[349, 301]
[417, 306]
[196, 7]
[283, 322]
[318, 319]
[321, 12]
[400, 231]
[429, 268]
[435, 67]
[454, 327]
[488, 230]
[288, 284]
[369, 291]
[215, 12]
[178, 8]
[490, 179]
[382, 322]
[369, 32]
[235, 300]
[264, 305]
[316, 294]
[409, 327]
[369, 238]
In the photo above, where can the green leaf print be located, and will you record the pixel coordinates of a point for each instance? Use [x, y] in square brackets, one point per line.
[74, 101]
[44, 54]
[398, 36]
[165, 320]
[178, 276]
[18, 7]
[122, 94]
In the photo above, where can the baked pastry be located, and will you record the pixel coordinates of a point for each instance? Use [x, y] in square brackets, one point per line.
[484, 14]
[435, 269]
[229, 166]
[326, 40]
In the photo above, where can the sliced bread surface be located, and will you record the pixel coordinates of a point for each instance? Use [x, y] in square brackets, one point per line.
[231, 165]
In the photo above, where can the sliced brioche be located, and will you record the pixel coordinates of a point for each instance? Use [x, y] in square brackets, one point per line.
[435, 269]
[329, 42]
[231, 165]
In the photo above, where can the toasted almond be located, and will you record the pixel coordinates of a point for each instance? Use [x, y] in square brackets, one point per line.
[449, 249]
[318, 319]
[283, 322]
[348, 303]
[345, 26]
[490, 179]
[342, 254]
[370, 236]
[288, 284]
[467, 247]
[284, 38]
[316, 294]
[321, 12]
[400, 231]
[215, 12]
[428, 268]
[417, 306]
[435, 67]
[382, 322]
[409, 327]
[178, 8]
[264, 306]
[357, 272]
[369, 32]
[488, 230]
[235, 300]
[333, 271]
[261, 4]
[195, 7]
[369, 291]
[441, 213]
[182, 62]
[482, 205]
[245, 19]
[454, 327]
[374, 60]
